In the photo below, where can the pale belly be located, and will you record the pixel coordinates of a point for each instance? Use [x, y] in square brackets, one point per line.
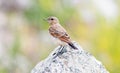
[59, 42]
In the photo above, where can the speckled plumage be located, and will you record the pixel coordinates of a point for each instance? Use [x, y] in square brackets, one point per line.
[57, 31]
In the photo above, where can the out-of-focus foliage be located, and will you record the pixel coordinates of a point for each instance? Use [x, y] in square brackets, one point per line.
[24, 37]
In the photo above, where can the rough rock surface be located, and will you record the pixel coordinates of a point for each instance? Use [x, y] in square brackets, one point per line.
[67, 60]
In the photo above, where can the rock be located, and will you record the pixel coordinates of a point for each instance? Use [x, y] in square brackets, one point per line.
[68, 60]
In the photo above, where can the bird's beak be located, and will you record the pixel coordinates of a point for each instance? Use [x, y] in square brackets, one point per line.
[45, 19]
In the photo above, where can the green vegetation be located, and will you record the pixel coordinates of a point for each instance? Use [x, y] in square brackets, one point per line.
[24, 38]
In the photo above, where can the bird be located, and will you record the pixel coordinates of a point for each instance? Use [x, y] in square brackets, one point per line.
[58, 32]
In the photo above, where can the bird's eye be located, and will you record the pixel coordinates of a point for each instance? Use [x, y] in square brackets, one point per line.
[52, 19]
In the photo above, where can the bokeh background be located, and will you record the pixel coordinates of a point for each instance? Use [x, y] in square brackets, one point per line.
[24, 37]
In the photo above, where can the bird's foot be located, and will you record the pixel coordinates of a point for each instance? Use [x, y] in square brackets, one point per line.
[60, 51]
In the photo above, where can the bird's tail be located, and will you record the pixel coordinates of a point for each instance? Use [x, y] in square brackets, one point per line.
[72, 45]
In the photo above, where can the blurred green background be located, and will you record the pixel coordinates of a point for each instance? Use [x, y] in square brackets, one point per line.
[24, 37]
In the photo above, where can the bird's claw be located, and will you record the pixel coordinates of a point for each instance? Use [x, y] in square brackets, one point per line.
[61, 50]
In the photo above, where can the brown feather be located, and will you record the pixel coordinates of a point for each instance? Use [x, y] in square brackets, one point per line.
[59, 32]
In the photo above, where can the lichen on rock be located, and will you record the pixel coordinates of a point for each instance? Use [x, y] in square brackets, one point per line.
[68, 60]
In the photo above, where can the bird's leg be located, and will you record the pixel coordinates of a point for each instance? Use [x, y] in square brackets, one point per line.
[60, 51]
[61, 46]
[57, 52]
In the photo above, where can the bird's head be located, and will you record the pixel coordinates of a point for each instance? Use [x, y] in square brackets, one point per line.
[52, 20]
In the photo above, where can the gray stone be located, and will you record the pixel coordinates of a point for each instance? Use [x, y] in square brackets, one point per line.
[68, 60]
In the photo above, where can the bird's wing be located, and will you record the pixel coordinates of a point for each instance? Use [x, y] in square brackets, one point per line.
[60, 33]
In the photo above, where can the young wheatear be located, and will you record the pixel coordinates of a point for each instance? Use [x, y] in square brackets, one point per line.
[57, 31]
